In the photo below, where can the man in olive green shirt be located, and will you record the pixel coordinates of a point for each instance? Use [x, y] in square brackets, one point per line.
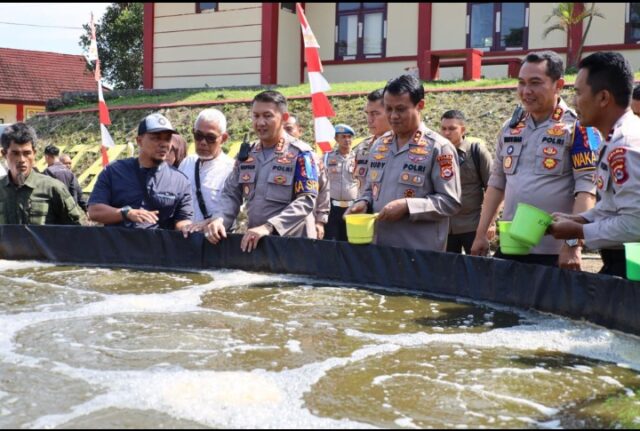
[27, 197]
[475, 170]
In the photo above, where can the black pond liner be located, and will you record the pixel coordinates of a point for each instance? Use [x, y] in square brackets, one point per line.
[604, 300]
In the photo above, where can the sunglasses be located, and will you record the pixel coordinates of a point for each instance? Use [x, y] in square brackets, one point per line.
[198, 136]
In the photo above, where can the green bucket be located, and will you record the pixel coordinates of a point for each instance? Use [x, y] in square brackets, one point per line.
[529, 224]
[508, 245]
[632, 254]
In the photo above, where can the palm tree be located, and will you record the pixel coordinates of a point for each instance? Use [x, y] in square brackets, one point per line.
[565, 13]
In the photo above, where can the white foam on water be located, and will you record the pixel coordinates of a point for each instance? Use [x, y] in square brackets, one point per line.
[6, 265]
[559, 335]
[611, 381]
[294, 346]
[275, 399]
[213, 398]
[581, 368]
[406, 423]
[536, 370]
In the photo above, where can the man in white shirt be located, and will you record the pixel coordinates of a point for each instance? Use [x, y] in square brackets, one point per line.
[208, 169]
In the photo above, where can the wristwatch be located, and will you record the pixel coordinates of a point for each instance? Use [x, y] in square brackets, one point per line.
[125, 211]
[269, 227]
[572, 242]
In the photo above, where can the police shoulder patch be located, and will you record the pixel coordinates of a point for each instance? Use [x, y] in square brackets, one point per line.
[584, 148]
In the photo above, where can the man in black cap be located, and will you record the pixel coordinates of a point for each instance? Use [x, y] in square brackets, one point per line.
[144, 192]
[61, 173]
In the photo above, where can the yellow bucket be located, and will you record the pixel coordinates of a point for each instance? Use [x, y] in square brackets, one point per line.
[360, 228]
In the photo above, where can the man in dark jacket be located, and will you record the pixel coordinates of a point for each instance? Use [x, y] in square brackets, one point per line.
[56, 169]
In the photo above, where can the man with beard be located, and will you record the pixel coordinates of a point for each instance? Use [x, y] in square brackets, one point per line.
[27, 197]
[208, 169]
[144, 192]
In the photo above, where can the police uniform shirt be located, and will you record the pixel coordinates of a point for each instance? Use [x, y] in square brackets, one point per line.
[213, 174]
[280, 185]
[425, 172]
[41, 200]
[323, 204]
[472, 181]
[340, 169]
[163, 188]
[545, 166]
[362, 162]
[615, 219]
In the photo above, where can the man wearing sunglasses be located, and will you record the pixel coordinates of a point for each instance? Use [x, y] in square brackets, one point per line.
[208, 169]
[277, 178]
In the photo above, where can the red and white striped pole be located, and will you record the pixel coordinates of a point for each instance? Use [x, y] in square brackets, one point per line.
[103, 111]
[322, 110]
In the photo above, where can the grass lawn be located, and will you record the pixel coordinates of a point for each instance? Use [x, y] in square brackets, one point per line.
[204, 95]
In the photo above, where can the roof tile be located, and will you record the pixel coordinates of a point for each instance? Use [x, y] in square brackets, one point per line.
[36, 76]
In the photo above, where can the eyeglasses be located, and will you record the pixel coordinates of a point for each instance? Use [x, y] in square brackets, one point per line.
[198, 136]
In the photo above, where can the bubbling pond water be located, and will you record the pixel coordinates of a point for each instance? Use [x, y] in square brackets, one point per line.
[115, 348]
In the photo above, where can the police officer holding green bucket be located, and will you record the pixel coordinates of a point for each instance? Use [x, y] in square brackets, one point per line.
[544, 159]
[603, 94]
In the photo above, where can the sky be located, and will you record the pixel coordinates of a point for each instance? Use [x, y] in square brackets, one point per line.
[62, 40]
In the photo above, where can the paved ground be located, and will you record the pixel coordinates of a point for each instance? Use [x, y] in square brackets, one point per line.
[591, 262]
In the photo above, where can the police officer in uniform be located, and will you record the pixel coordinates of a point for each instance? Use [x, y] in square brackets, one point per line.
[323, 205]
[26, 196]
[277, 178]
[543, 159]
[339, 165]
[603, 91]
[378, 126]
[413, 180]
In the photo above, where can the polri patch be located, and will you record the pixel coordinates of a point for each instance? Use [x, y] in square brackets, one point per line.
[446, 172]
[619, 171]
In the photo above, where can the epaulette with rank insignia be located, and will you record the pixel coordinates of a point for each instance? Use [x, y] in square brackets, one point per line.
[557, 114]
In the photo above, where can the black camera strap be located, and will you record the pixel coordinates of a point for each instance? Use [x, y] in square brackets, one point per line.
[203, 207]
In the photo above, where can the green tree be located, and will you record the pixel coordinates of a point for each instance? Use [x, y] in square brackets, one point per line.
[566, 16]
[119, 39]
